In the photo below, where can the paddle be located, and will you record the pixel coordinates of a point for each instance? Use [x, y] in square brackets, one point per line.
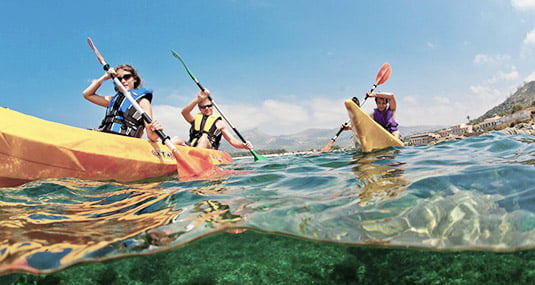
[186, 163]
[255, 155]
[382, 77]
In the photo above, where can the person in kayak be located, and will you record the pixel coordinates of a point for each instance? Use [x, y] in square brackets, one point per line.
[121, 117]
[384, 114]
[207, 128]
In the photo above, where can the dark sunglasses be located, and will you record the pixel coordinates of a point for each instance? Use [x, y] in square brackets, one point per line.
[205, 106]
[125, 77]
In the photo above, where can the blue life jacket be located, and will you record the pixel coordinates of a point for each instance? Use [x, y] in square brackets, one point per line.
[385, 119]
[205, 126]
[122, 118]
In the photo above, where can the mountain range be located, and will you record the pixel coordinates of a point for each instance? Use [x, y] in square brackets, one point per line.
[310, 139]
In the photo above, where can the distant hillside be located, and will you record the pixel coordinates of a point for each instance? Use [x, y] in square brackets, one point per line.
[524, 96]
[311, 139]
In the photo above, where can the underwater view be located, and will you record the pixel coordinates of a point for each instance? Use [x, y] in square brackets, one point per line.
[458, 212]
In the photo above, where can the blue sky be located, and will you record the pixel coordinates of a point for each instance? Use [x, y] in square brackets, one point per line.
[279, 66]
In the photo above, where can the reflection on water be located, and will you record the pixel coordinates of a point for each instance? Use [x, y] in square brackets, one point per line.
[55, 227]
[379, 175]
[472, 194]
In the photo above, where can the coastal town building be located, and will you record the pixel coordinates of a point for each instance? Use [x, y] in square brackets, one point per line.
[460, 129]
[463, 130]
[489, 123]
[425, 138]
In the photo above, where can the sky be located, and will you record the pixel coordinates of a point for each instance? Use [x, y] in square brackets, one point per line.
[279, 66]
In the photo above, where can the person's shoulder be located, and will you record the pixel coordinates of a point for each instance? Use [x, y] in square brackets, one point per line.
[220, 124]
[142, 91]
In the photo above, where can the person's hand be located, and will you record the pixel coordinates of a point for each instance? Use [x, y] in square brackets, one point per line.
[154, 126]
[109, 73]
[202, 95]
[370, 94]
[345, 127]
[248, 145]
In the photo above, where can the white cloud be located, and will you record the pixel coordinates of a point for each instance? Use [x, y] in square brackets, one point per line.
[293, 114]
[498, 59]
[529, 39]
[530, 77]
[448, 109]
[523, 4]
[270, 116]
[409, 99]
[486, 92]
[171, 120]
[441, 100]
[504, 76]
[528, 44]
[439, 111]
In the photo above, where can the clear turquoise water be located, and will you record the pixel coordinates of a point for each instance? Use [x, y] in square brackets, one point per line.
[456, 212]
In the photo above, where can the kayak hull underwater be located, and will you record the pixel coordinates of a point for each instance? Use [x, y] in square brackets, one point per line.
[32, 149]
[368, 134]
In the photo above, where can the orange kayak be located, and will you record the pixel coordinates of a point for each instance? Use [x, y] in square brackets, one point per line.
[32, 148]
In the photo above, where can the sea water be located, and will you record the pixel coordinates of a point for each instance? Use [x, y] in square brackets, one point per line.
[458, 212]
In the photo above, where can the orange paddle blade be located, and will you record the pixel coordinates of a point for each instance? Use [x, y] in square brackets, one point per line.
[328, 146]
[383, 74]
[193, 164]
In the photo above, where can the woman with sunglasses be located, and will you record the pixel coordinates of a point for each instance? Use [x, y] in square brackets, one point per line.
[121, 117]
[207, 128]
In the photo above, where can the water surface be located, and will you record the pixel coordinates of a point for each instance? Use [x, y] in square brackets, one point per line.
[473, 196]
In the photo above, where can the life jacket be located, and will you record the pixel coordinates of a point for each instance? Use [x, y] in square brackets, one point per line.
[385, 119]
[205, 126]
[122, 118]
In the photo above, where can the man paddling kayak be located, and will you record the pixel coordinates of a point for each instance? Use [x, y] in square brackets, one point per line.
[207, 128]
[384, 114]
[121, 117]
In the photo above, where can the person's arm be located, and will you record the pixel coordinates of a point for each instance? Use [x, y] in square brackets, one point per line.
[390, 96]
[186, 111]
[154, 125]
[230, 138]
[90, 92]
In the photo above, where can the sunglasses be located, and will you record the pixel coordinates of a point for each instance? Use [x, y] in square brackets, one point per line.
[205, 106]
[126, 77]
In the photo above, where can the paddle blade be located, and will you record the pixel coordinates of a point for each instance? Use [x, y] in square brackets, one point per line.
[383, 74]
[257, 156]
[328, 146]
[195, 165]
[94, 48]
[175, 54]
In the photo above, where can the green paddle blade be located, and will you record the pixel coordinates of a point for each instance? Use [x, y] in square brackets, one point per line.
[184, 64]
[257, 156]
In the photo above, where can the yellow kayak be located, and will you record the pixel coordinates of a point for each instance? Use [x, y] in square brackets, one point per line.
[32, 148]
[369, 134]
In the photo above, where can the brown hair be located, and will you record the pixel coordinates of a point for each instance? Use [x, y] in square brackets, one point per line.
[129, 68]
[386, 99]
